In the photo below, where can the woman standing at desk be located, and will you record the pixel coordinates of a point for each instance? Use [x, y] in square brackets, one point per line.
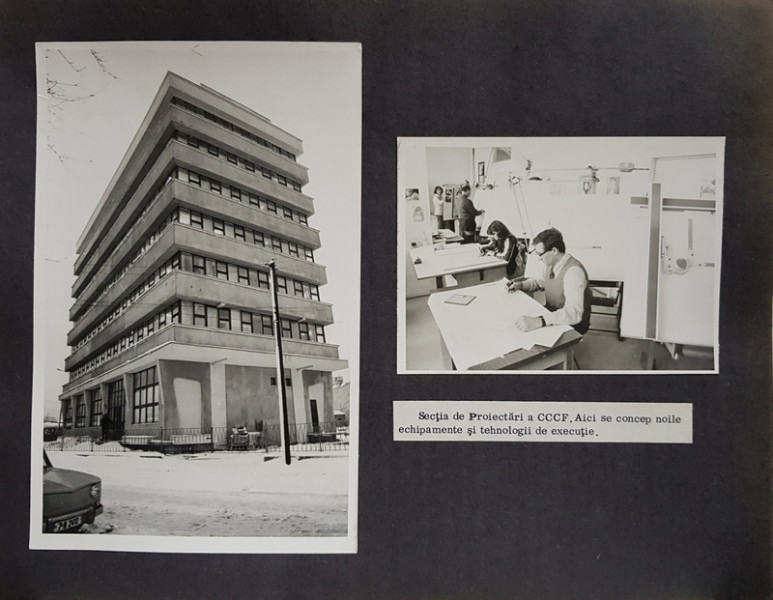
[467, 214]
[506, 246]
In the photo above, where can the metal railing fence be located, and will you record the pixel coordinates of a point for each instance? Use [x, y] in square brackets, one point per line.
[304, 437]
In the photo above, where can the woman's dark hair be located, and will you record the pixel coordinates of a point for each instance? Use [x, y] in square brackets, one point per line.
[499, 228]
[437, 187]
[465, 188]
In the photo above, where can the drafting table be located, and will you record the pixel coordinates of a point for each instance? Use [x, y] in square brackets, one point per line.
[463, 261]
[482, 334]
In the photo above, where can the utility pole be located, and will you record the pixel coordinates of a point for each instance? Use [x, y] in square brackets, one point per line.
[280, 371]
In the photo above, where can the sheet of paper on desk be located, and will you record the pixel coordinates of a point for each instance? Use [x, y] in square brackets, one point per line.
[493, 332]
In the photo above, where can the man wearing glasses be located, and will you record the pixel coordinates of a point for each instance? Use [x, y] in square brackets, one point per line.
[565, 282]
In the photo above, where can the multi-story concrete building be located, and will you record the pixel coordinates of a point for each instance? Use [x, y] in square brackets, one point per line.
[172, 319]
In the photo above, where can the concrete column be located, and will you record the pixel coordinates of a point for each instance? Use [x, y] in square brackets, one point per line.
[217, 393]
[297, 413]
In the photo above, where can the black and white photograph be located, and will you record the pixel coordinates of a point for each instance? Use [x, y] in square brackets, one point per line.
[196, 297]
[560, 254]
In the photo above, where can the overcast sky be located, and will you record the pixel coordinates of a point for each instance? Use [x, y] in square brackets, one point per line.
[90, 105]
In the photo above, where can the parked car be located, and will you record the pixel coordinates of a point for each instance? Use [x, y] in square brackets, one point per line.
[70, 498]
[51, 432]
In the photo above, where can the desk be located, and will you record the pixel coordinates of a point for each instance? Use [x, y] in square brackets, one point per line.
[464, 262]
[482, 334]
[445, 235]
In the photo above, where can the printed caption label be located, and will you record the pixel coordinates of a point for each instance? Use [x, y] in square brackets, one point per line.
[608, 422]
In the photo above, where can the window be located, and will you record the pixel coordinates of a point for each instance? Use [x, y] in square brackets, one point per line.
[212, 149]
[231, 158]
[218, 226]
[282, 180]
[199, 314]
[266, 172]
[199, 265]
[243, 275]
[254, 200]
[197, 219]
[215, 186]
[281, 284]
[68, 413]
[176, 312]
[80, 414]
[192, 141]
[95, 415]
[314, 289]
[246, 321]
[320, 331]
[308, 254]
[258, 238]
[292, 248]
[236, 194]
[263, 280]
[266, 325]
[224, 318]
[287, 213]
[303, 331]
[298, 288]
[303, 219]
[287, 328]
[239, 233]
[162, 319]
[145, 397]
[276, 244]
[194, 178]
[221, 270]
[271, 206]
[250, 166]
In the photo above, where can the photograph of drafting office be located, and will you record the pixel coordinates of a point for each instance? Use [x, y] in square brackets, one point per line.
[570, 254]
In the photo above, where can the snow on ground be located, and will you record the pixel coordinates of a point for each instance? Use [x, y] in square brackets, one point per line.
[216, 494]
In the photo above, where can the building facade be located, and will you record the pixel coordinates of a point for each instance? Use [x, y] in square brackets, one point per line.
[172, 315]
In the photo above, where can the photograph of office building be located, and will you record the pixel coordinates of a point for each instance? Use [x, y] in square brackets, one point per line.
[172, 302]
[206, 261]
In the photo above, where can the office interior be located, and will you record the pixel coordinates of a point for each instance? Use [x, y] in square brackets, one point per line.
[643, 215]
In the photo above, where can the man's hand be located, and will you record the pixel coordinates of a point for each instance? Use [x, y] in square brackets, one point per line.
[514, 286]
[528, 323]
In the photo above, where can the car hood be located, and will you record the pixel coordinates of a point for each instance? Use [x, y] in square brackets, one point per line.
[57, 481]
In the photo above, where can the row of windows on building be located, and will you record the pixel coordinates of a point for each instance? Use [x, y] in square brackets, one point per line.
[203, 265]
[145, 402]
[232, 127]
[229, 191]
[240, 195]
[247, 235]
[211, 224]
[236, 160]
[202, 315]
[93, 399]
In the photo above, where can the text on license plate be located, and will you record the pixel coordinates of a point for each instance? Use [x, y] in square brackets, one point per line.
[68, 524]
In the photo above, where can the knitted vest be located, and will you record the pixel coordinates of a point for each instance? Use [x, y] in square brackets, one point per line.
[554, 293]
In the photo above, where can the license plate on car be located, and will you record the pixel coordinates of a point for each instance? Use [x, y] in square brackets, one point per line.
[68, 524]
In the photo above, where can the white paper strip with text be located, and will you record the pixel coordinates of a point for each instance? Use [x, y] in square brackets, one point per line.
[609, 422]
